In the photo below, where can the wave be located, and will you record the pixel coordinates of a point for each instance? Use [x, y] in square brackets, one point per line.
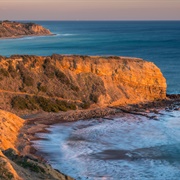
[129, 147]
[65, 34]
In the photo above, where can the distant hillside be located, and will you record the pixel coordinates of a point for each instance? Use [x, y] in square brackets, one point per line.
[9, 29]
[55, 83]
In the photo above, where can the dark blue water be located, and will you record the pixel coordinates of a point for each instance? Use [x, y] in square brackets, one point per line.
[156, 41]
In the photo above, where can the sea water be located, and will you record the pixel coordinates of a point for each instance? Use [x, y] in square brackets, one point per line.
[128, 147]
[156, 41]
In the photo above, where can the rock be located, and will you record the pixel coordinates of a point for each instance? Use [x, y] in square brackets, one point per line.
[9, 29]
[12, 164]
[84, 80]
[10, 125]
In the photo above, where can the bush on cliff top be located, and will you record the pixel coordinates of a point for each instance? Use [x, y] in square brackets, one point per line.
[39, 102]
[4, 72]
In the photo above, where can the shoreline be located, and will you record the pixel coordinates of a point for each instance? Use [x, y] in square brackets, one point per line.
[24, 36]
[38, 123]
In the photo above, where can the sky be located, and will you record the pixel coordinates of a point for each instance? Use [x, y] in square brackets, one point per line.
[89, 9]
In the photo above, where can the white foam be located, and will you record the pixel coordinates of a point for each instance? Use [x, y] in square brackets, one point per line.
[65, 34]
[153, 148]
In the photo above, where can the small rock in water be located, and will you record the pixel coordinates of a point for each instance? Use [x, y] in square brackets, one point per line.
[154, 117]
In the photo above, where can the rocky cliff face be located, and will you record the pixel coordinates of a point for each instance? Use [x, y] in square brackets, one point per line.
[53, 83]
[104, 81]
[10, 29]
[12, 164]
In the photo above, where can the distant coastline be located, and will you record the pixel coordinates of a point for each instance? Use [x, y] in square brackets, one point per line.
[24, 36]
[12, 30]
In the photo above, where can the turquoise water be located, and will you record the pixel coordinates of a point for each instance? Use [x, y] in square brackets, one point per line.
[156, 41]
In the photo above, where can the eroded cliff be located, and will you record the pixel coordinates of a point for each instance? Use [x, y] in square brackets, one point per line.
[13, 165]
[30, 84]
[60, 82]
[9, 29]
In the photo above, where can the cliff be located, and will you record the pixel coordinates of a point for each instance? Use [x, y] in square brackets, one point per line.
[30, 84]
[12, 164]
[57, 82]
[10, 29]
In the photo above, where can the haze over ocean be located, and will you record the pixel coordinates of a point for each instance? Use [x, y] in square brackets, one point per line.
[156, 41]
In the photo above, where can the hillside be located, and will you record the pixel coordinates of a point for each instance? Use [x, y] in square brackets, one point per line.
[53, 83]
[31, 84]
[9, 29]
[14, 166]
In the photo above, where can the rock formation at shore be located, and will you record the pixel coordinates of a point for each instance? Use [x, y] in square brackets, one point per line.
[57, 82]
[30, 84]
[13, 165]
[9, 29]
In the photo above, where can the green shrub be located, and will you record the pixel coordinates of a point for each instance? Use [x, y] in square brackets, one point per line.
[42, 88]
[49, 69]
[12, 71]
[29, 165]
[64, 106]
[27, 80]
[86, 105]
[47, 105]
[19, 102]
[23, 103]
[4, 72]
[94, 98]
[31, 103]
[4, 173]
[62, 77]
[39, 102]
[74, 88]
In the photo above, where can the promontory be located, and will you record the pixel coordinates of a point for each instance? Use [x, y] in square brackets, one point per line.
[11, 29]
[46, 90]
[29, 82]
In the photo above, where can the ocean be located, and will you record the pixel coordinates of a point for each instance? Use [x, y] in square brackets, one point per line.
[156, 41]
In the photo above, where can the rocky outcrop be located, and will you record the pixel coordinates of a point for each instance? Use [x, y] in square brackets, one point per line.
[53, 83]
[10, 29]
[10, 125]
[82, 80]
[15, 166]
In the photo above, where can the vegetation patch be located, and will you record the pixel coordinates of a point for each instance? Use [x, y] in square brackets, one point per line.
[94, 98]
[62, 77]
[4, 173]
[39, 102]
[86, 105]
[42, 88]
[12, 71]
[4, 72]
[49, 69]
[23, 103]
[30, 165]
[27, 79]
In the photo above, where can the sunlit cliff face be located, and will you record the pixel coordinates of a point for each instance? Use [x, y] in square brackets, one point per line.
[10, 125]
[99, 80]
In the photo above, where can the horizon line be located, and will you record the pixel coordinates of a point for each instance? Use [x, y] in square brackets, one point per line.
[93, 20]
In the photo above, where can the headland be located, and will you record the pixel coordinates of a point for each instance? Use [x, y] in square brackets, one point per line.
[12, 29]
[47, 90]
